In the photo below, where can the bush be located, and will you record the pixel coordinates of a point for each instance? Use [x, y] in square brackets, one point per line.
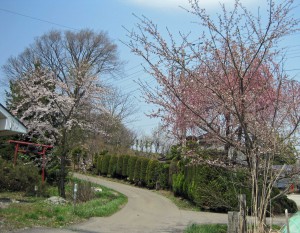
[213, 187]
[99, 163]
[119, 166]
[281, 203]
[143, 174]
[208, 193]
[77, 154]
[178, 181]
[173, 169]
[52, 170]
[131, 167]
[18, 178]
[137, 171]
[152, 173]
[84, 191]
[112, 168]
[125, 166]
[163, 175]
[105, 164]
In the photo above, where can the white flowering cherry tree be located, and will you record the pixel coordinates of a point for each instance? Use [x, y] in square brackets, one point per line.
[55, 85]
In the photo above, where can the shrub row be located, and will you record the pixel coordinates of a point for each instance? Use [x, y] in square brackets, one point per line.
[208, 187]
[138, 170]
[211, 187]
[216, 189]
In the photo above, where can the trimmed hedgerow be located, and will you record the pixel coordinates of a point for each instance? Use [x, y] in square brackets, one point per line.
[178, 187]
[131, 167]
[152, 173]
[137, 171]
[99, 163]
[105, 164]
[119, 165]
[143, 174]
[209, 187]
[163, 175]
[112, 168]
[125, 166]
[173, 169]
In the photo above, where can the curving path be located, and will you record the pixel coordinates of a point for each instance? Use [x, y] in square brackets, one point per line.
[145, 212]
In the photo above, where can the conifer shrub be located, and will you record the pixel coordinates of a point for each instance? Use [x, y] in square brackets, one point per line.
[163, 175]
[22, 177]
[105, 164]
[99, 164]
[143, 174]
[137, 171]
[173, 169]
[125, 166]
[119, 165]
[211, 187]
[131, 167]
[112, 168]
[152, 173]
[178, 184]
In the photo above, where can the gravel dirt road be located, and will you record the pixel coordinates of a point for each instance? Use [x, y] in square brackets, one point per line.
[145, 212]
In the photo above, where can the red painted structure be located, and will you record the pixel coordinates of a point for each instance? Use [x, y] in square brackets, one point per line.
[42, 152]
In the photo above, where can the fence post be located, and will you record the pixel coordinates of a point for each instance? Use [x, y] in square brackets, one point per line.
[242, 214]
[287, 221]
[233, 222]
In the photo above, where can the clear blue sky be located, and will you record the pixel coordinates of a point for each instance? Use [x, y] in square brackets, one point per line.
[21, 21]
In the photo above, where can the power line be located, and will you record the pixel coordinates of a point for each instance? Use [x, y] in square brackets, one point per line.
[38, 19]
[297, 69]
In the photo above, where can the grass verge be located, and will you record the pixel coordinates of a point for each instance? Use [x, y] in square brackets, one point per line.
[207, 228]
[180, 202]
[35, 212]
[215, 228]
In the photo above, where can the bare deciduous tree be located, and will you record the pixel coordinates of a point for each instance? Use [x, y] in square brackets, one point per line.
[119, 105]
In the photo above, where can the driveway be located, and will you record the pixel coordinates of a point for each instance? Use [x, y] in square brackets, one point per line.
[145, 211]
[295, 198]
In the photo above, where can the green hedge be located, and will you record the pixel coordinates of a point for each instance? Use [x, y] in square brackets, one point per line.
[280, 204]
[119, 166]
[137, 171]
[143, 173]
[131, 166]
[125, 166]
[178, 187]
[163, 175]
[173, 169]
[105, 164]
[152, 173]
[209, 187]
[99, 164]
[112, 168]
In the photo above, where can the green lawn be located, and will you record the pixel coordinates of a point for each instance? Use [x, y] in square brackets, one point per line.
[36, 212]
[207, 228]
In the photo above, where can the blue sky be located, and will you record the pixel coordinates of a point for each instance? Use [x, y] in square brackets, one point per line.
[21, 21]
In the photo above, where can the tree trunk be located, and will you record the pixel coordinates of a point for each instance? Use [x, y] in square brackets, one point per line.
[61, 186]
[63, 172]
